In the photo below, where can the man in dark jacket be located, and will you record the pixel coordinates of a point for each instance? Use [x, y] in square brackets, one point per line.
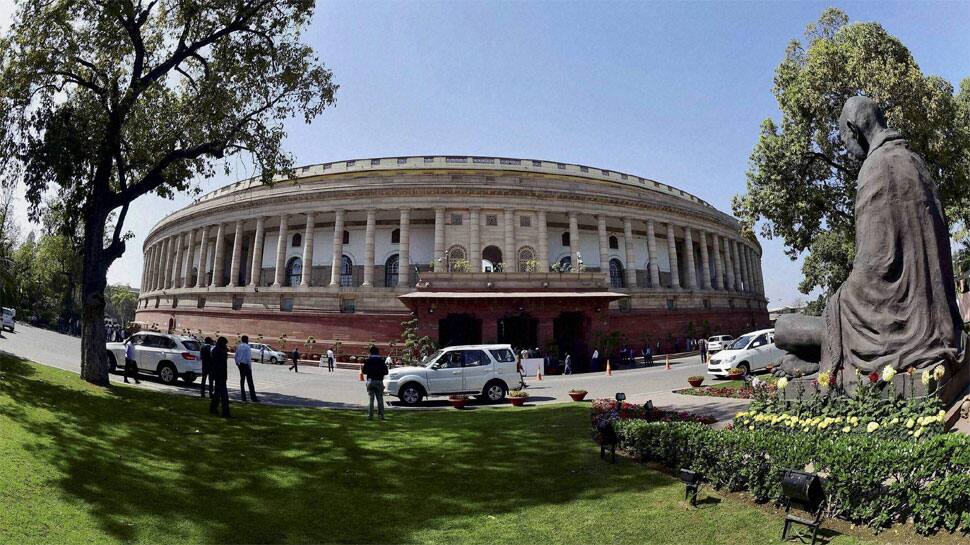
[218, 371]
[206, 357]
[375, 370]
[296, 361]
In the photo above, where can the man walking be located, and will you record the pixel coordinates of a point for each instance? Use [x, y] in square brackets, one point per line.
[206, 357]
[596, 360]
[375, 370]
[568, 365]
[218, 371]
[244, 362]
[330, 359]
[131, 366]
[702, 346]
[296, 361]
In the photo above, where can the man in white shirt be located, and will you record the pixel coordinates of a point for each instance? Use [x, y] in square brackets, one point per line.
[131, 366]
[596, 359]
[330, 360]
[244, 362]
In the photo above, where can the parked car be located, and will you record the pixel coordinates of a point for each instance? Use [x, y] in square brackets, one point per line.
[718, 343]
[169, 356]
[9, 319]
[487, 370]
[750, 352]
[264, 353]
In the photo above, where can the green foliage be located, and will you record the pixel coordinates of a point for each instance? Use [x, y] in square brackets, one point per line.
[414, 348]
[122, 302]
[801, 182]
[867, 479]
[45, 272]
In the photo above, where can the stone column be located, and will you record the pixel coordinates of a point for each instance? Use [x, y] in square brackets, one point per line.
[604, 246]
[761, 278]
[746, 261]
[189, 258]
[203, 257]
[256, 267]
[160, 265]
[509, 258]
[369, 249]
[543, 242]
[736, 260]
[338, 249]
[718, 263]
[218, 261]
[404, 250]
[280, 271]
[306, 279]
[236, 260]
[672, 252]
[177, 273]
[574, 241]
[630, 271]
[167, 264]
[705, 263]
[440, 260]
[149, 269]
[728, 266]
[689, 254]
[144, 268]
[652, 250]
[475, 242]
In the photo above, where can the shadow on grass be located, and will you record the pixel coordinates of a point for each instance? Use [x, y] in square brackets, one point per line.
[159, 468]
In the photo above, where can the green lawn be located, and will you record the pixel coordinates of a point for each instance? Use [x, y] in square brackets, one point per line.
[80, 464]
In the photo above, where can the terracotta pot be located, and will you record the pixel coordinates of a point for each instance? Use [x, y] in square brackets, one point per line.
[458, 403]
[696, 383]
[577, 396]
[517, 401]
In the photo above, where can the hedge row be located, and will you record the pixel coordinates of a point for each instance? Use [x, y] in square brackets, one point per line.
[868, 480]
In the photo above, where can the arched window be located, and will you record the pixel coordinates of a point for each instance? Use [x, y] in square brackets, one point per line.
[294, 271]
[566, 264]
[526, 255]
[616, 273]
[391, 267]
[297, 240]
[565, 239]
[396, 236]
[491, 257]
[455, 254]
[346, 237]
[346, 271]
[614, 243]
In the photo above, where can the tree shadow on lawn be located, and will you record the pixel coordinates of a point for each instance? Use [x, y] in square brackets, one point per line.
[159, 468]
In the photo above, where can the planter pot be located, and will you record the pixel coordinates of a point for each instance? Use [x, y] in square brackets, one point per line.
[738, 376]
[696, 383]
[517, 401]
[458, 403]
[577, 396]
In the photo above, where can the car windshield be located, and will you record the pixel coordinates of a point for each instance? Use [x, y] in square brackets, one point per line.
[740, 343]
[428, 360]
[192, 346]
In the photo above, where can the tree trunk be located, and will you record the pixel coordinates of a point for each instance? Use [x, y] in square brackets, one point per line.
[94, 359]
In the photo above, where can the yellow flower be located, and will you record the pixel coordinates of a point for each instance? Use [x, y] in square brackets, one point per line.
[824, 378]
[888, 373]
[854, 420]
[925, 377]
[846, 429]
[910, 423]
[894, 421]
[751, 427]
[918, 432]
[873, 426]
[782, 383]
[939, 372]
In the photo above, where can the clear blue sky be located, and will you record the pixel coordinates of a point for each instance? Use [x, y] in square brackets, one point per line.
[672, 91]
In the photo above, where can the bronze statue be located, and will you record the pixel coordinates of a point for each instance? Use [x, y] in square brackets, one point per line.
[898, 306]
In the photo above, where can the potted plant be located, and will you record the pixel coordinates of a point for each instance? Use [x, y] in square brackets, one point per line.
[517, 397]
[695, 380]
[458, 401]
[735, 373]
[577, 395]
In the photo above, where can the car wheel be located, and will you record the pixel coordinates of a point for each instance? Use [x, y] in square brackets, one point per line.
[745, 368]
[112, 363]
[273, 361]
[411, 394]
[167, 373]
[494, 391]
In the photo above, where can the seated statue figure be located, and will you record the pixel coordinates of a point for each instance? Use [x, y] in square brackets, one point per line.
[898, 306]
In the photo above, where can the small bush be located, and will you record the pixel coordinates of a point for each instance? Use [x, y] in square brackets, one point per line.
[518, 393]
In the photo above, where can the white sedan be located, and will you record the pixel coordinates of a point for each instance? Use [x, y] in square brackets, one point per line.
[264, 353]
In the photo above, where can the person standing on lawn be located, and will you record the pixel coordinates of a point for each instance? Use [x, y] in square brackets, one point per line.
[296, 361]
[330, 359]
[375, 370]
[218, 371]
[131, 366]
[244, 362]
[206, 357]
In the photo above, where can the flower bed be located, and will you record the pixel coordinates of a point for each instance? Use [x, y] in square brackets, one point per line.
[744, 392]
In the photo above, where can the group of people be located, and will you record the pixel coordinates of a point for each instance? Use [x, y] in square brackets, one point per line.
[215, 372]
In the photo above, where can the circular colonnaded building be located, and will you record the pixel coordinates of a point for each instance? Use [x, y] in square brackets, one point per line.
[480, 249]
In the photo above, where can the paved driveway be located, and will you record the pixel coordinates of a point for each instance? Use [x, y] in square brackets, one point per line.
[315, 387]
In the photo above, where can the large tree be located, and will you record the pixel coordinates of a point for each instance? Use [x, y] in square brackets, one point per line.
[103, 101]
[801, 181]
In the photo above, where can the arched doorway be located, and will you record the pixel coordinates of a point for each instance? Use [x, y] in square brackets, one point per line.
[570, 330]
[456, 329]
[521, 331]
[391, 268]
[346, 272]
[616, 273]
[456, 256]
[491, 257]
[294, 271]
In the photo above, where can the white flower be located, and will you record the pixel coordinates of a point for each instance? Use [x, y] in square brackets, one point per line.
[873, 426]
[939, 372]
[925, 378]
[910, 423]
[888, 373]
[782, 383]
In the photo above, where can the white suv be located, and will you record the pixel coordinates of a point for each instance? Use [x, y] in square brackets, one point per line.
[483, 369]
[718, 343]
[750, 352]
[168, 356]
[9, 318]
[264, 353]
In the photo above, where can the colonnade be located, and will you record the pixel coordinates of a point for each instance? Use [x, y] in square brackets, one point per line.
[728, 264]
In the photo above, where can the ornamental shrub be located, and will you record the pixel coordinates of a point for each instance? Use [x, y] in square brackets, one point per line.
[868, 479]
